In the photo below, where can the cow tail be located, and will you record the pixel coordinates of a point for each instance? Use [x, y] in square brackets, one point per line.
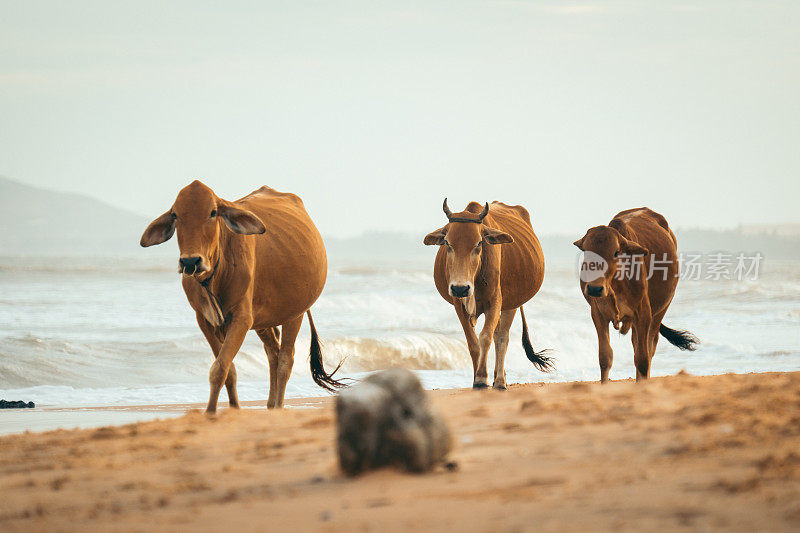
[539, 359]
[321, 378]
[680, 338]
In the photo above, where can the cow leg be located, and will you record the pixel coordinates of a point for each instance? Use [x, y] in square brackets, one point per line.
[655, 325]
[472, 344]
[501, 346]
[485, 342]
[220, 370]
[605, 354]
[230, 386]
[215, 341]
[269, 337]
[289, 332]
[640, 338]
[641, 348]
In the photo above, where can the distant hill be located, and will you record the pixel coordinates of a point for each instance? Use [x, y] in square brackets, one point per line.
[769, 240]
[772, 244]
[779, 230]
[409, 248]
[36, 221]
[376, 246]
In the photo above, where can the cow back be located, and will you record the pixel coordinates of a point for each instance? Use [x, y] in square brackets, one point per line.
[522, 262]
[291, 265]
[651, 230]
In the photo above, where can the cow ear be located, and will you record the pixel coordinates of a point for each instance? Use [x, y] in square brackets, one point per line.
[579, 243]
[160, 230]
[633, 248]
[435, 238]
[495, 236]
[241, 221]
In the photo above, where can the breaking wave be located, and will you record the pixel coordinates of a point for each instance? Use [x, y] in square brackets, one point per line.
[417, 352]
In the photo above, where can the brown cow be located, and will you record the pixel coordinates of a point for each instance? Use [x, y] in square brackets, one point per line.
[478, 277]
[256, 263]
[618, 260]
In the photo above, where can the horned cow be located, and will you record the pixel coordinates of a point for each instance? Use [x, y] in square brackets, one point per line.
[489, 262]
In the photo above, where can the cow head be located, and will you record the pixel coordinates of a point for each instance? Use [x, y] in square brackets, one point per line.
[464, 237]
[196, 216]
[603, 246]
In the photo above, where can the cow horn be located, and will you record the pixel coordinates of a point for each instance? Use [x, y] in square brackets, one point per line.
[446, 209]
[484, 212]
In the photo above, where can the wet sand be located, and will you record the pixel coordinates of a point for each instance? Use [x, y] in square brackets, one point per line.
[681, 452]
[51, 418]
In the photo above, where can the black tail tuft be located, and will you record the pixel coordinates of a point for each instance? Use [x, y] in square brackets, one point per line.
[321, 378]
[539, 359]
[680, 338]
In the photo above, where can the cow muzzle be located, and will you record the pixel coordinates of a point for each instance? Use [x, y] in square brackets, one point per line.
[595, 291]
[191, 265]
[460, 291]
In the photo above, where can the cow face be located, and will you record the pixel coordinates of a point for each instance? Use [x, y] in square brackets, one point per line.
[196, 216]
[464, 238]
[604, 250]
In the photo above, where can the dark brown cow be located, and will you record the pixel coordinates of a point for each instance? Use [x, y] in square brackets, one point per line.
[489, 262]
[256, 263]
[618, 260]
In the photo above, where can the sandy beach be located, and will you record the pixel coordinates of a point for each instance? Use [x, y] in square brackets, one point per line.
[679, 452]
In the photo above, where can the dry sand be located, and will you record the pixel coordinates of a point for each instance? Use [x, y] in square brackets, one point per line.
[678, 452]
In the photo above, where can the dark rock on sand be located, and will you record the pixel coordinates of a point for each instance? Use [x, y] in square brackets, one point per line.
[387, 420]
[16, 405]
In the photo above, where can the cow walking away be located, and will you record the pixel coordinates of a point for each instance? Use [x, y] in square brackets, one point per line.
[489, 262]
[628, 275]
[257, 263]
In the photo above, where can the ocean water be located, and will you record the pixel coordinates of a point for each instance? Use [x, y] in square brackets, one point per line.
[118, 330]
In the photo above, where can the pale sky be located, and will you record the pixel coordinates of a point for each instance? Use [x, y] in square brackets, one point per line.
[374, 111]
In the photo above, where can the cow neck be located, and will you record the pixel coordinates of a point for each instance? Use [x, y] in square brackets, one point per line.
[481, 270]
[213, 297]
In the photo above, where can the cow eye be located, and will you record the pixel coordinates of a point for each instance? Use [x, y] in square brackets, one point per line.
[213, 213]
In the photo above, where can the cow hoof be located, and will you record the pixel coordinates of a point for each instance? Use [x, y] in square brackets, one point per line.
[500, 387]
[479, 386]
